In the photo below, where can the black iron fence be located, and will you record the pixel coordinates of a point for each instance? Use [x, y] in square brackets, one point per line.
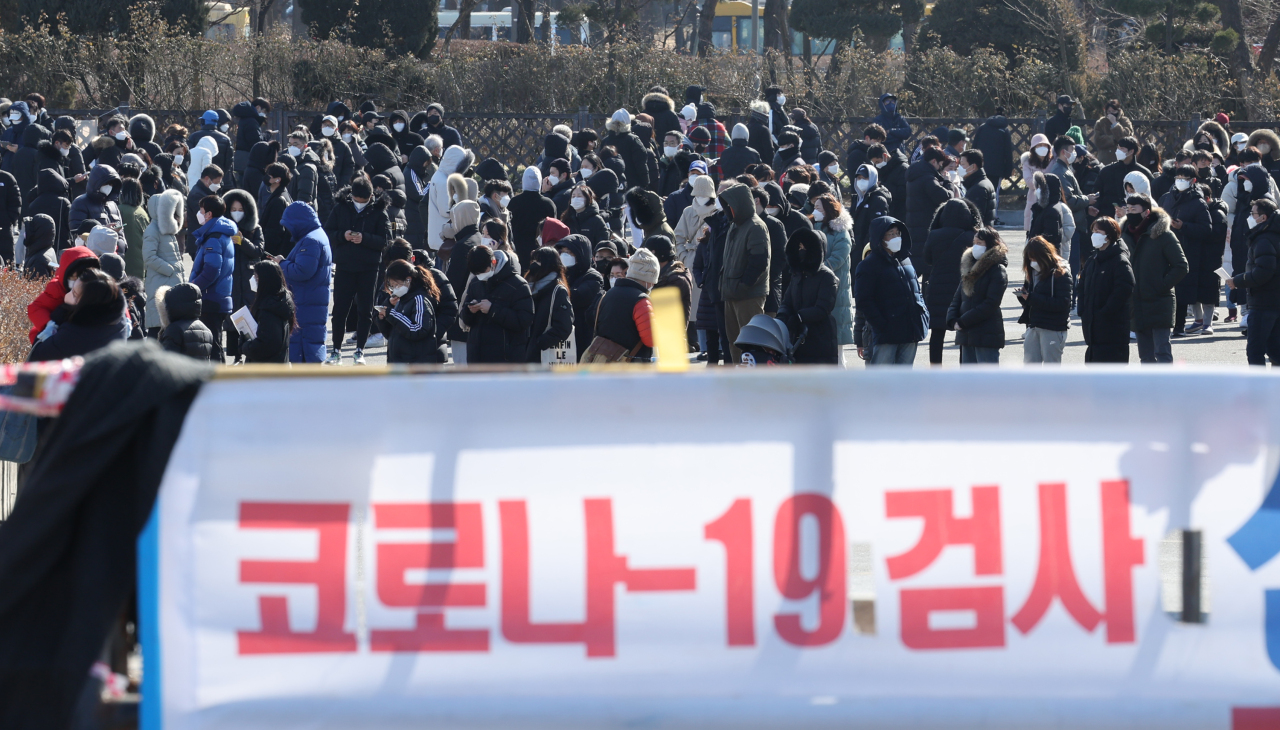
[517, 139]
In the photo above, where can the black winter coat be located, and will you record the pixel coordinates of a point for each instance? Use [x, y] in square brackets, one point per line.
[51, 199]
[1259, 276]
[737, 156]
[950, 235]
[808, 305]
[759, 139]
[877, 203]
[371, 223]
[552, 319]
[10, 213]
[185, 334]
[275, 237]
[779, 273]
[587, 222]
[275, 325]
[1110, 185]
[458, 274]
[586, 286]
[894, 177]
[410, 328]
[1106, 293]
[926, 190]
[996, 143]
[248, 126]
[810, 142]
[1195, 236]
[253, 181]
[888, 293]
[528, 210]
[632, 152]
[502, 334]
[979, 190]
[1048, 304]
[975, 309]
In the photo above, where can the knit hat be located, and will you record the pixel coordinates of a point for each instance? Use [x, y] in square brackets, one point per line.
[689, 112]
[1222, 118]
[703, 187]
[740, 131]
[532, 179]
[552, 231]
[643, 266]
[698, 166]
[700, 135]
[112, 264]
[102, 240]
[1076, 135]
[622, 116]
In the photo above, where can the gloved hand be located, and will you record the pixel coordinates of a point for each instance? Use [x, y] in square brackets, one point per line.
[48, 331]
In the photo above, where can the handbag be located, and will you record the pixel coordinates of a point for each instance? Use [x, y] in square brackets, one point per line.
[604, 350]
[564, 352]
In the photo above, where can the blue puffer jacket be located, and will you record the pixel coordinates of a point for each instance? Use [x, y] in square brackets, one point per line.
[307, 270]
[887, 291]
[214, 265]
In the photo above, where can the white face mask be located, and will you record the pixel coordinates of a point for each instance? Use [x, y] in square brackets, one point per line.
[553, 179]
[670, 151]
[64, 151]
[578, 203]
[1264, 148]
[237, 215]
[1099, 240]
[359, 206]
[1248, 185]
[346, 137]
[326, 131]
[863, 185]
[539, 240]
[1035, 265]
[488, 274]
[894, 244]
[1042, 150]
[1071, 158]
[881, 164]
[253, 280]
[295, 150]
[1182, 184]
[1240, 146]
[586, 172]
[782, 99]
[486, 241]
[398, 126]
[122, 136]
[504, 200]
[215, 187]
[568, 260]
[105, 190]
[225, 127]
[613, 281]
[702, 200]
[818, 215]
[401, 290]
[1121, 155]
[1252, 222]
[834, 171]
[15, 117]
[201, 218]
[772, 211]
[177, 159]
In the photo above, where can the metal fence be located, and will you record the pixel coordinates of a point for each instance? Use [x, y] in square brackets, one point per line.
[517, 139]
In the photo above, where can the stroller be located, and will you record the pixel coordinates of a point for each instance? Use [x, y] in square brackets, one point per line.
[765, 341]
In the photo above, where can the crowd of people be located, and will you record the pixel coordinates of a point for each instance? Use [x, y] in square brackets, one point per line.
[385, 226]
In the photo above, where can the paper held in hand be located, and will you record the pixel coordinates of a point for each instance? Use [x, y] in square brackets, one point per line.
[1222, 273]
[245, 323]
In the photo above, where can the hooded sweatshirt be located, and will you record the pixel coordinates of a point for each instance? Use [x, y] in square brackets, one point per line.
[745, 272]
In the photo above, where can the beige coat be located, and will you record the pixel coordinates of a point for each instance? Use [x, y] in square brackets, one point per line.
[1106, 136]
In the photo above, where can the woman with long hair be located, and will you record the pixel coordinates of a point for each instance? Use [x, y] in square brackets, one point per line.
[96, 317]
[409, 323]
[552, 308]
[1047, 298]
[1036, 159]
[275, 312]
[582, 215]
[1106, 292]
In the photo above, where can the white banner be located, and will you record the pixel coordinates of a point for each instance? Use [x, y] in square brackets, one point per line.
[734, 549]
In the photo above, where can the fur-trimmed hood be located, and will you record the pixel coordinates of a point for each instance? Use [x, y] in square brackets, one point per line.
[617, 126]
[656, 102]
[1161, 223]
[841, 222]
[459, 190]
[250, 220]
[815, 250]
[1221, 140]
[971, 270]
[142, 128]
[178, 303]
[1268, 137]
[646, 207]
[168, 212]
[103, 142]
[958, 213]
[1140, 183]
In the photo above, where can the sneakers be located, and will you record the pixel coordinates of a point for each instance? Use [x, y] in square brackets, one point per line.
[1206, 331]
[1231, 317]
[335, 358]
[1195, 327]
[375, 340]
[359, 360]
[1184, 333]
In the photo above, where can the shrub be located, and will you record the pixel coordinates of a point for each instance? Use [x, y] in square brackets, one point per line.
[15, 294]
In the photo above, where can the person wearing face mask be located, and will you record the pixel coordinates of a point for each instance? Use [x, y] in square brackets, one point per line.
[242, 209]
[497, 308]
[213, 267]
[251, 118]
[1109, 192]
[871, 201]
[343, 163]
[675, 203]
[586, 285]
[97, 205]
[1064, 156]
[829, 172]
[975, 313]
[358, 231]
[738, 155]
[1036, 159]
[1239, 142]
[272, 203]
[406, 138]
[94, 316]
[890, 306]
[896, 129]
[1046, 217]
[781, 208]
[891, 168]
[673, 164]
[496, 198]
[1267, 144]
[114, 143]
[1260, 280]
[553, 320]
[468, 234]
[778, 270]
[688, 230]
[221, 149]
[978, 188]
[744, 272]
[1109, 130]
[349, 133]
[661, 108]
[28, 160]
[926, 190]
[435, 125]
[1058, 124]
[950, 235]
[409, 320]
[1046, 298]
[455, 161]
[809, 302]
[209, 183]
[304, 186]
[1158, 266]
[1191, 223]
[1106, 293]
[777, 100]
[788, 154]
[11, 139]
[629, 147]
[582, 216]
[830, 218]
[274, 311]
[558, 184]
[161, 250]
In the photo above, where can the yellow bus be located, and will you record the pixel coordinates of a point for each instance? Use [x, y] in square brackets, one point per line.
[731, 30]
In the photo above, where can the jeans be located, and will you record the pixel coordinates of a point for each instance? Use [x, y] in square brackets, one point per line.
[1263, 341]
[897, 354]
[459, 350]
[353, 288]
[737, 313]
[1154, 346]
[1041, 345]
[979, 355]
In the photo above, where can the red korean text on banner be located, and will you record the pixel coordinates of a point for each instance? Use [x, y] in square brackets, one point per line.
[605, 569]
[327, 573]
[943, 528]
[465, 551]
[828, 584]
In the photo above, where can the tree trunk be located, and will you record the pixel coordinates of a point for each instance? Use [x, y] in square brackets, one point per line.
[776, 34]
[909, 31]
[1267, 58]
[1242, 57]
[524, 27]
[1168, 30]
[704, 26]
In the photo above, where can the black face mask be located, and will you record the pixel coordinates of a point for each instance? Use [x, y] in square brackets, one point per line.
[1134, 219]
[433, 121]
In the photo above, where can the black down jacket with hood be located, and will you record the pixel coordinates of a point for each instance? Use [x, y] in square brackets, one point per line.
[950, 235]
[810, 300]
[181, 329]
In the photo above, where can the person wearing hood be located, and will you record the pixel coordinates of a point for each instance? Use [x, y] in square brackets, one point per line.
[1191, 223]
[28, 161]
[871, 201]
[307, 272]
[142, 129]
[41, 259]
[358, 233]
[629, 147]
[1210, 137]
[759, 130]
[830, 218]
[1046, 218]
[744, 275]
[20, 117]
[253, 179]
[582, 216]
[273, 200]
[251, 120]
[896, 129]
[304, 186]
[455, 160]
[950, 236]
[249, 250]
[181, 330]
[133, 214]
[1268, 145]
[213, 267]
[528, 210]
[45, 312]
[1263, 286]
[416, 189]
[95, 316]
[553, 320]
[1106, 292]
[97, 205]
[994, 140]
[682, 196]
[222, 151]
[203, 155]
[586, 286]
[51, 200]
[406, 139]
[497, 308]
[643, 131]
[978, 189]
[1110, 190]
[1239, 143]
[688, 230]
[661, 107]
[739, 155]
[161, 250]
[274, 311]
[927, 188]
[435, 125]
[974, 312]
[888, 296]
[337, 110]
[647, 217]
[777, 102]
[672, 272]
[788, 154]
[809, 303]
[673, 167]
[810, 137]
[468, 233]
[1158, 266]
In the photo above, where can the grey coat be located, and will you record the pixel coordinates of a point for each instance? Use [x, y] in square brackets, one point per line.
[161, 252]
